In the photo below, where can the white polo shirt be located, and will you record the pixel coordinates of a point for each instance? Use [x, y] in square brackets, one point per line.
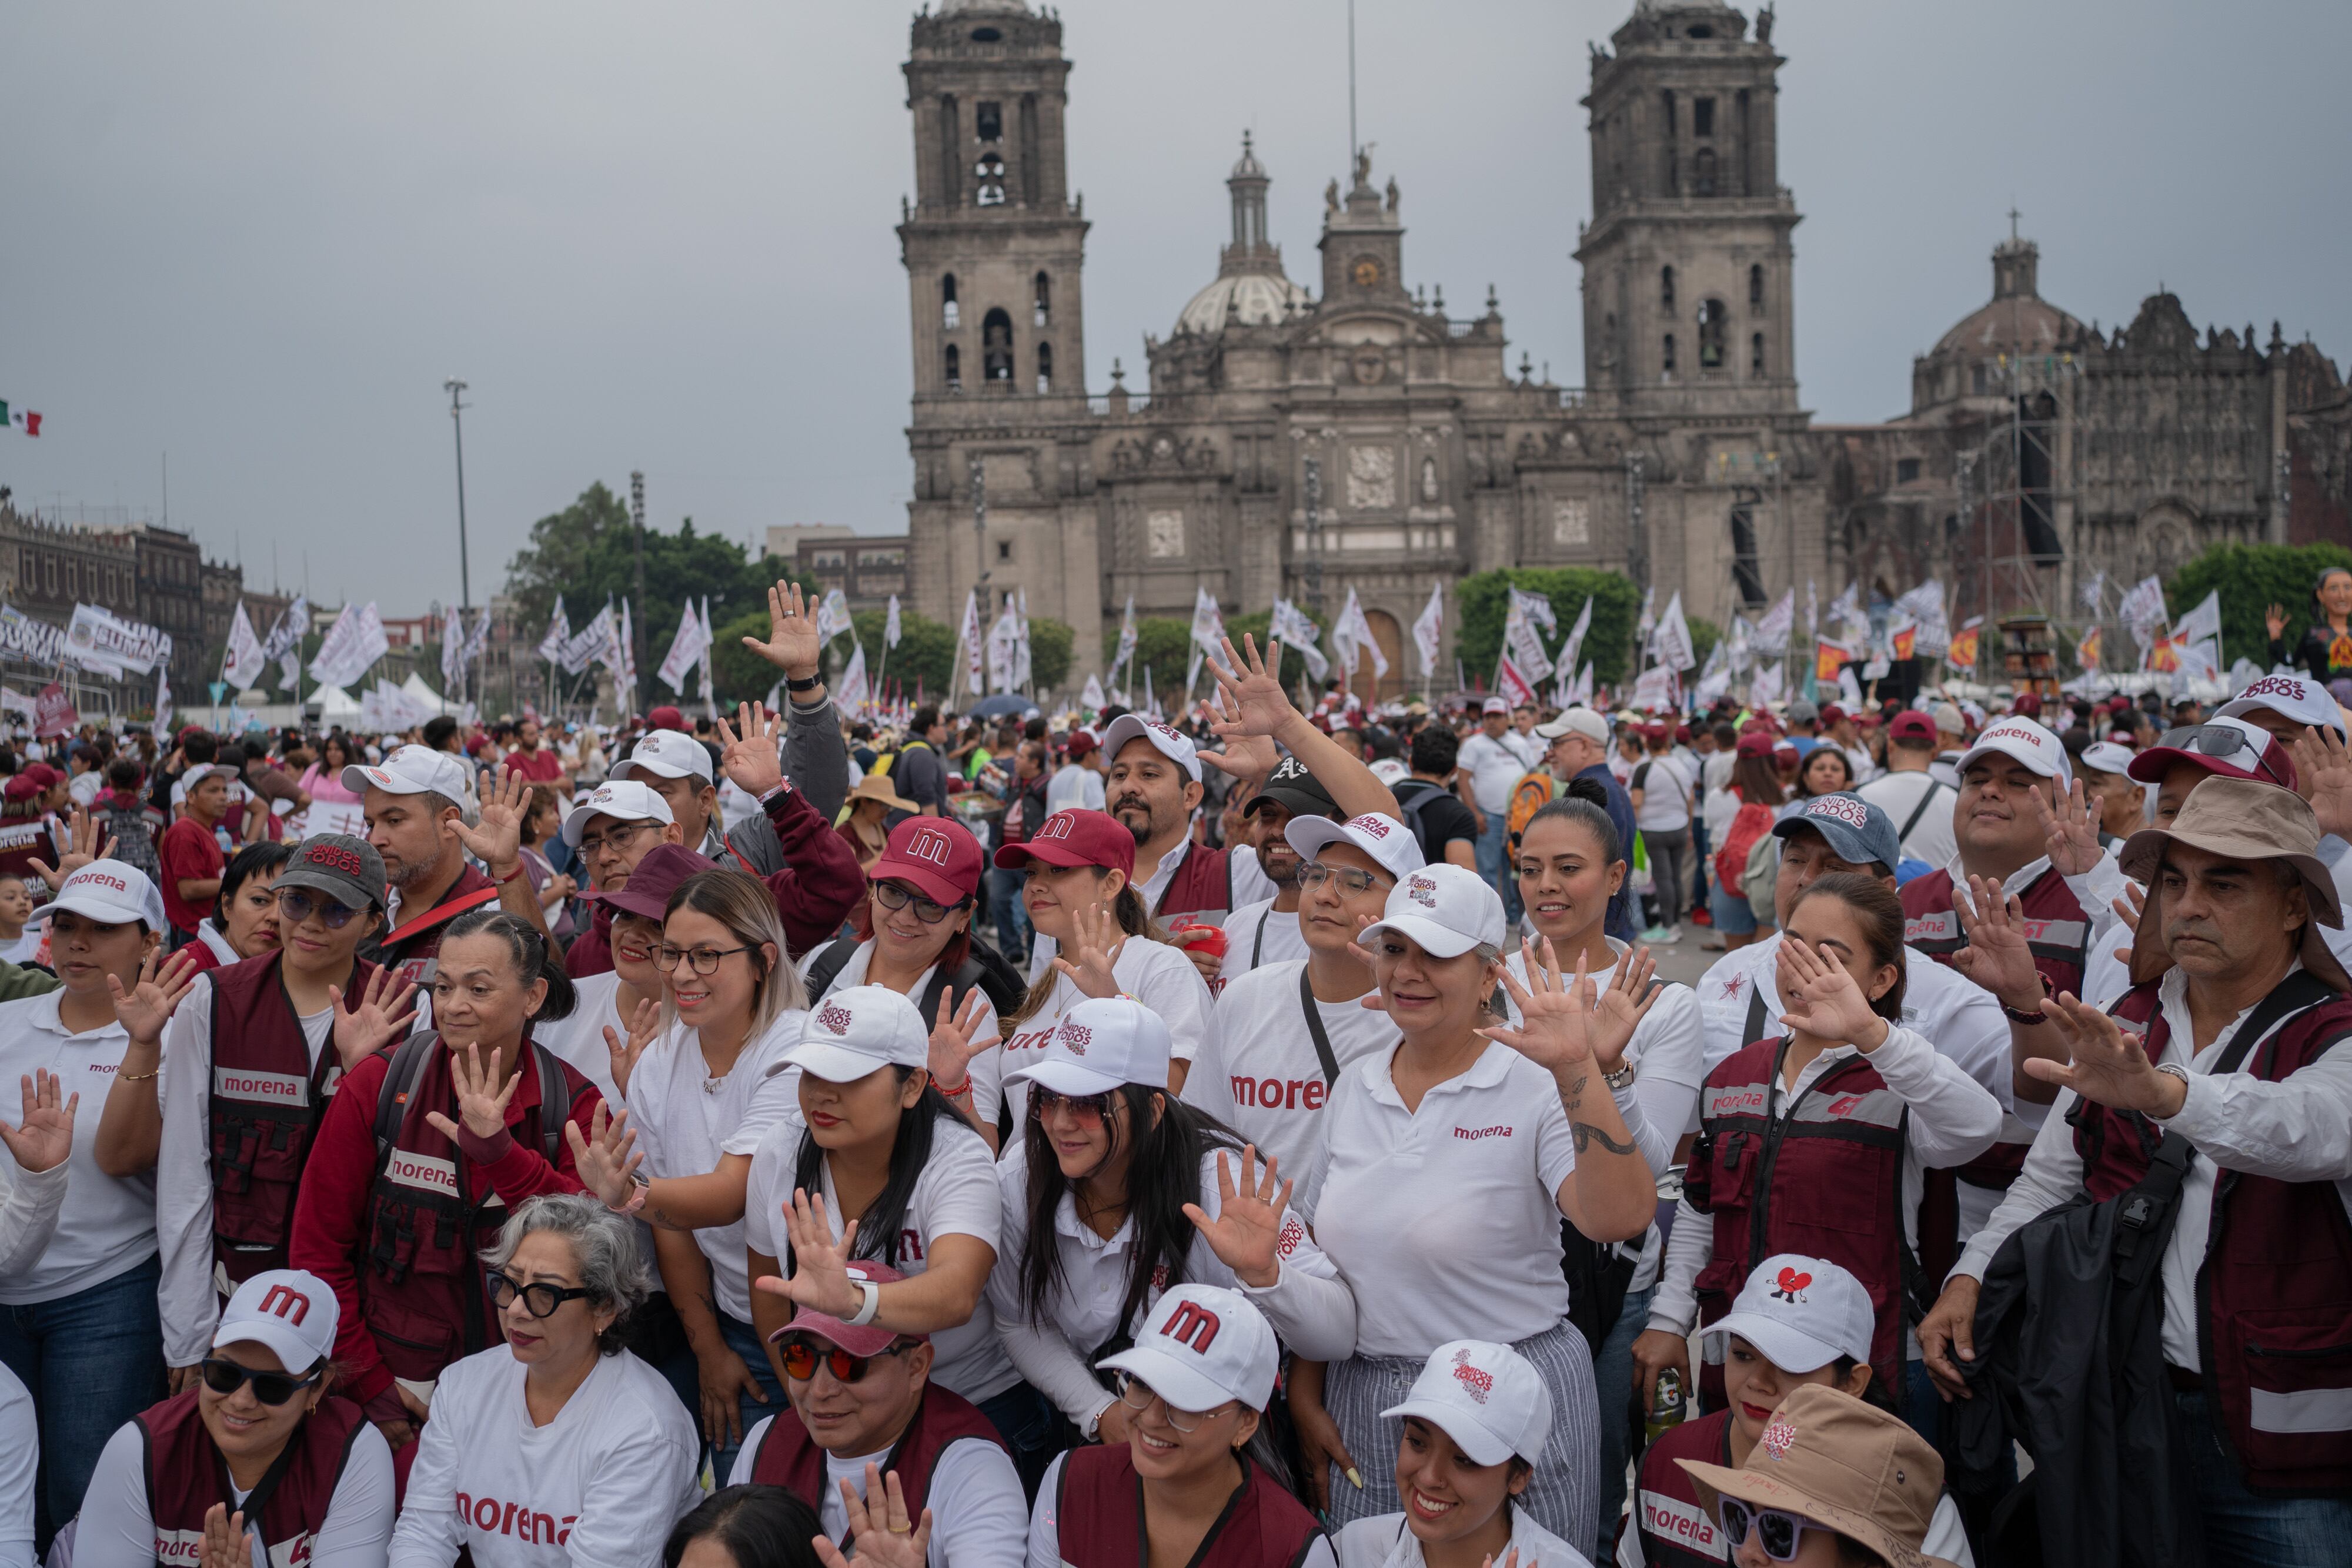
[955, 1195]
[117, 1530]
[1386, 1541]
[1494, 767]
[107, 1224]
[1401, 1200]
[980, 1518]
[1256, 934]
[987, 1070]
[1154, 973]
[1258, 1072]
[603, 1483]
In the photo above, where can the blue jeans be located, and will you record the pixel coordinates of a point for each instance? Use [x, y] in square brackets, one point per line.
[2242, 1530]
[744, 1340]
[1494, 851]
[1024, 1418]
[1009, 916]
[1613, 1370]
[91, 1362]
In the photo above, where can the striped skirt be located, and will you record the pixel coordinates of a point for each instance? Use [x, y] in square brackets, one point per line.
[1563, 1495]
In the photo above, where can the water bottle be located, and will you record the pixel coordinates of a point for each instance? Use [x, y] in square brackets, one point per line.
[1668, 1407]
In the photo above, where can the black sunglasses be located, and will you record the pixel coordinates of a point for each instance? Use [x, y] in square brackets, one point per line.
[272, 1388]
[2218, 740]
[539, 1299]
[930, 912]
[800, 1355]
[296, 904]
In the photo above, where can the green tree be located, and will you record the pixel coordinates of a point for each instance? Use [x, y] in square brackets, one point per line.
[1162, 645]
[1484, 601]
[1051, 644]
[1705, 635]
[2250, 578]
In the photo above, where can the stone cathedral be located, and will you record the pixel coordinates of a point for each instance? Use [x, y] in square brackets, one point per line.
[1299, 441]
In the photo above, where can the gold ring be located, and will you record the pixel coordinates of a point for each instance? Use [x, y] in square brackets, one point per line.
[902, 1530]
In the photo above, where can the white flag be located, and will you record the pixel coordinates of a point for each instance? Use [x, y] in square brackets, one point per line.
[709, 688]
[852, 694]
[1672, 642]
[477, 641]
[1769, 687]
[975, 654]
[1526, 647]
[1352, 639]
[1428, 630]
[354, 642]
[1742, 644]
[1126, 640]
[1023, 665]
[1511, 685]
[1581, 694]
[1092, 699]
[2141, 609]
[684, 651]
[625, 644]
[1537, 608]
[1846, 611]
[1293, 629]
[242, 664]
[1150, 704]
[1812, 612]
[1771, 639]
[164, 681]
[1208, 620]
[2202, 624]
[1575, 643]
[832, 616]
[2095, 593]
[452, 650]
[1649, 620]
[890, 626]
[1003, 642]
[558, 631]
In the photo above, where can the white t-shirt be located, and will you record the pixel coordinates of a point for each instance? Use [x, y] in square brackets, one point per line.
[1073, 786]
[1046, 1530]
[1900, 794]
[107, 1225]
[1448, 1216]
[1494, 767]
[183, 1163]
[954, 1195]
[687, 1120]
[1154, 973]
[1665, 794]
[598, 1487]
[117, 1531]
[987, 1068]
[1256, 934]
[1258, 1072]
[979, 1516]
[20, 1457]
[1385, 1541]
[578, 1040]
[27, 947]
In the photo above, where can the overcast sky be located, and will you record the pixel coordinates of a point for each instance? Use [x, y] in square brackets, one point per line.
[260, 236]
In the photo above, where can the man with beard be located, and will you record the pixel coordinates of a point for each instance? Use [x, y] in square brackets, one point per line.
[416, 820]
[1266, 931]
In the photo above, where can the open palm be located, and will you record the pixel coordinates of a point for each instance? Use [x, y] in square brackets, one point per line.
[46, 1139]
[1996, 956]
[749, 758]
[1095, 943]
[1556, 1017]
[382, 1015]
[1247, 1234]
[791, 644]
[147, 1006]
[483, 1094]
[496, 839]
[2323, 767]
[1823, 999]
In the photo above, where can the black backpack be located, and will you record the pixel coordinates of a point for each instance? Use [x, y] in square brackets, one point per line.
[1410, 808]
[408, 1065]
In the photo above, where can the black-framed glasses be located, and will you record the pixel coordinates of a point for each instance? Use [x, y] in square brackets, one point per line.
[930, 910]
[2219, 740]
[1090, 1110]
[1778, 1532]
[297, 905]
[272, 1388]
[1353, 878]
[1138, 1395]
[801, 1354]
[704, 960]
[613, 837]
[540, 1299]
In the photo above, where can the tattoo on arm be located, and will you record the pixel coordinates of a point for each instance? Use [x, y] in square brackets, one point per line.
[1586, 1133]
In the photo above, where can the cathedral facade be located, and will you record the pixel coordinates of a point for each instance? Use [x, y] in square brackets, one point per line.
[1300, 442]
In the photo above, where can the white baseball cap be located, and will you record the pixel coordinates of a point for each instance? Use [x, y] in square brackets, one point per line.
[1165, 738]
[1487, 1397]
[1202, 1346]
[1446, 910]
[2025, 741]
[1580, 721]
[291, 1312]
[860, 1030]
[1800, 1313]
[2106, 756]
[2305, 701]
[1101, 1044]
[1948, 720]
[1391, 771]
[623, 800]
[1383, 837]
[112, 893]
[1495, 704]
[669, 753]
[411, 770]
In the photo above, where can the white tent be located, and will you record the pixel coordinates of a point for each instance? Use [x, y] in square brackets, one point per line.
[335, 704]
[414, 686]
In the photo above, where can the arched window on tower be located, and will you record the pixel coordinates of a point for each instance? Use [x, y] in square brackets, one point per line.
[1666, 361]
[1756, 356]
[1710, 335]
[996, 347]
[1666, 288]
[991, 172]
[954, 368]
[948, 302]
[1044, 367]
[1756, 286]
[1044, 315]
[1703, 171]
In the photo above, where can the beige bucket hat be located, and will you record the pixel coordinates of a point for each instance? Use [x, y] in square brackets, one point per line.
[2241, 818]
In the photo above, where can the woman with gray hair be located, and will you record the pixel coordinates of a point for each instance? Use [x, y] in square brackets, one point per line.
[1447, 1165]
[559, 1444]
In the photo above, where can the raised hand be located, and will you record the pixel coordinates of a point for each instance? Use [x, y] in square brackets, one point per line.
[2323, 766]
[1625, 1004]
[820, 1279]
[483, 1094]
[147, 1006]
[2129, 914]
[495, 840]
[46, 1137]
[1247, 1234]
[1095, 943]
[383, 1014]
[1556, 1015]
[1823, 1000]
[606, 1159]
[1251, 708]
[2109, 1065]
[1996, 956]
[956, 1040]
[878, 1526]
[751, 757]
[792, 646]
[86, 841]
[2071, 830]
[2274, 618]
[644, 1027]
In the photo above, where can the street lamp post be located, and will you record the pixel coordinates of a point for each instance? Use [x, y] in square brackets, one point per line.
[455, 388]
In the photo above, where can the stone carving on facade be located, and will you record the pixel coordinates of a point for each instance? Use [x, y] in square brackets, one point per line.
[1371, 478]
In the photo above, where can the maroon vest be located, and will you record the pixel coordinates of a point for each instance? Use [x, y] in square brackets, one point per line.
[785, 1456]
[1098, 1514]
[1824, 1180]
[265, 1104]
[1677, 1530]
[186, 1476]
[420, 1293]
[1203, 883]
[2275, 1288]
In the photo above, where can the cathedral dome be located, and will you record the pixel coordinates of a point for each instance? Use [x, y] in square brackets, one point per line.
[2017, 319]
[1259, 298]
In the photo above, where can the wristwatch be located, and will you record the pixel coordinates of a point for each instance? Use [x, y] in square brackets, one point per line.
[2174, 1070]
[802, 683]
[1619, 1081]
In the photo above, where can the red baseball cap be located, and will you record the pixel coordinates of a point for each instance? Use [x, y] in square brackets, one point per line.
[940, 860]
[665, 718]
[1756, 742]
[1081, 742]
[1833, 712]
[2225, 747]
[2027, 704]
[1911, 725]
[1075, 836]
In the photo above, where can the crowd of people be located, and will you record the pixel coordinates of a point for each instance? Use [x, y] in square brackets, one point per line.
[1264, 1139]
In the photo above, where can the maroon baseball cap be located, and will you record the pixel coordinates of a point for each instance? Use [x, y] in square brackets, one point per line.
[665, 718]
[2027, 704]
[657, 877]
[2225, 747]
[1075, 836]
[1756, 742]
[870, 1339]
[1832, 712]
[941, 860]
[1911, 725]
[1081, 742]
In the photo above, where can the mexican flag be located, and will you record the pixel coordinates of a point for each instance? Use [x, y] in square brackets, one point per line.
[23, 419]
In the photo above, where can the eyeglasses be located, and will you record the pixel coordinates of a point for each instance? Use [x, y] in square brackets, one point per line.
[703, 959]
[272, 1388]
[612, 838]
[1088, 1109]
[1137, 1394]
[801, 1354]
[540, 1300]
[898, 896]
[296, 905]
[1781, 1531]
[1315, 873]
[2218, 740]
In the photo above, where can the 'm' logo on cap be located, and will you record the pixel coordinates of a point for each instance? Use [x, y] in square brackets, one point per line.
[1058, 825]
[1376, 827]
[1193, 1325]
[1477, 1380]
[834, 1017]
[928, 845]
[1078, 1037]
[1844, 808]
[290, 1304]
